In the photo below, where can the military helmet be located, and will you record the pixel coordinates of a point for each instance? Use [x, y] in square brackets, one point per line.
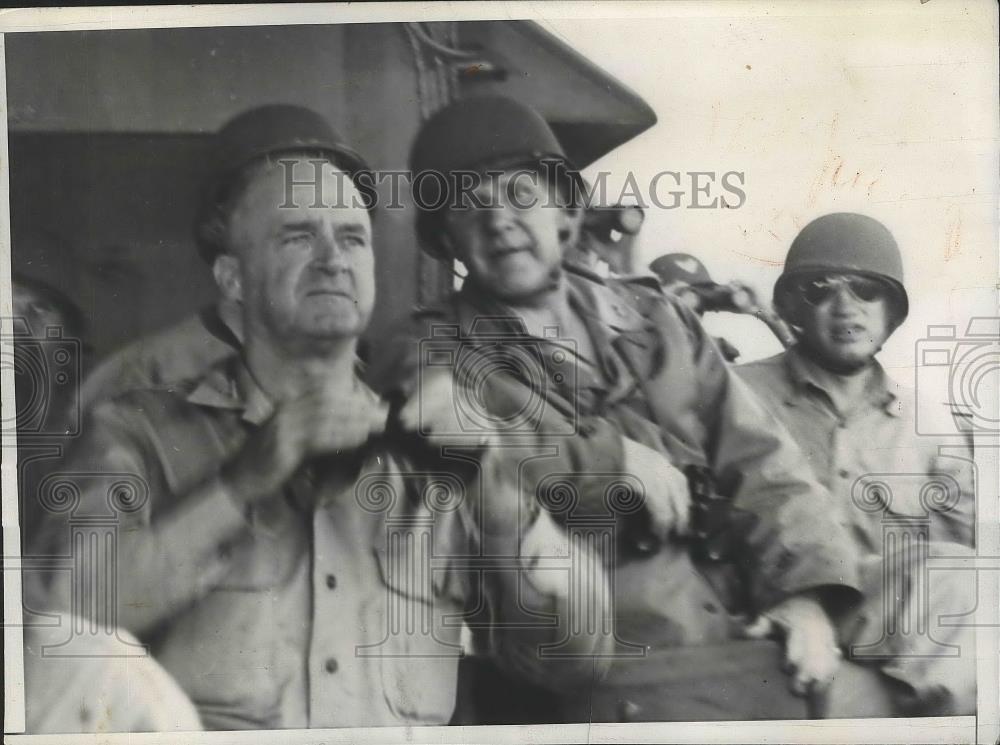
[476, 133]
[681, 267]
[844, 242]
[264, 131]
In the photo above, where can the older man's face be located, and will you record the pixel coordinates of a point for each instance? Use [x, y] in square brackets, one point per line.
[306, 264]
[513, 246]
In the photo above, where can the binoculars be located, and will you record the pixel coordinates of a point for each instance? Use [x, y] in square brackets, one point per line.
[600, 222]
[717, 528]
[717, 298]
[607, 234]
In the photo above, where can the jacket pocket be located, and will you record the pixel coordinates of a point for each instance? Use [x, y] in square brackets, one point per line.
[419, 655]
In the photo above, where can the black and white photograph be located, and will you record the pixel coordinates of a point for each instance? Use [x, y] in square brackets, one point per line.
[501, 372]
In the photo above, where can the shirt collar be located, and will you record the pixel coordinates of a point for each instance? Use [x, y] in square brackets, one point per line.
[883, 391]
[218, 387]
[229, 385]
[257, 405]
[597, 302]
[231, 315]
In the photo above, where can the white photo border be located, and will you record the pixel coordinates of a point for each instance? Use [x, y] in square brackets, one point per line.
[983, 728]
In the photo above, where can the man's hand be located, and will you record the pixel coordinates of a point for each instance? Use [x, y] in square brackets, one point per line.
[544, 539]
[811, 652]
[744, 298]
[319, 422]
[668, 498]
[433, 410]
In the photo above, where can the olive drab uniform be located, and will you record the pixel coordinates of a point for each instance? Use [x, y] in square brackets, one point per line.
[881, 473]
[658, 379]
[292, 603]
[875, 452]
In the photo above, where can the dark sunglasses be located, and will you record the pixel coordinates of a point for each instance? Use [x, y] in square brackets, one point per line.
[818, 290]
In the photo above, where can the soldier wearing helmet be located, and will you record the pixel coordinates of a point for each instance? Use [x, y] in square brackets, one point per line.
[687, 278]
[842, 292]
[215, 332]
[641, 393]
[265, 555]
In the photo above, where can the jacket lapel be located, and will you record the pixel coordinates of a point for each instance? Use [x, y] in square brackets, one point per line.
[617, 327]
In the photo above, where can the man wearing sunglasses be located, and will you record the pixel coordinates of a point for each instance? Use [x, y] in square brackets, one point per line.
[843, 295]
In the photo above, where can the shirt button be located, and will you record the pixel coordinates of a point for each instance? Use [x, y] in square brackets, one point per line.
[330, 665]
[843, 473]
[710, 608]
[331, 581]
